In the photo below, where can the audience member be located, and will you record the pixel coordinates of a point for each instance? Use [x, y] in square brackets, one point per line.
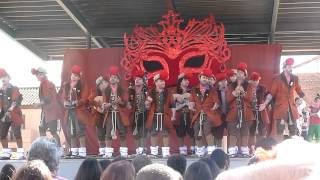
[119, 170]
[293, 159]
[7, 172]
[158, 172]
[104, 163]
[118, 158]
[221, 158]
[33, 170]
[198, 170]
[267, 143]
[177, 162]
[89, 169]
[215, 170]
[46, 149]
[141, 161]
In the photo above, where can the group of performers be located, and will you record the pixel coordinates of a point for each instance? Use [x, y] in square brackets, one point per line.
[232, 101]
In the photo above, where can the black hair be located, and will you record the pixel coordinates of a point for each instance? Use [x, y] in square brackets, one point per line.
[7, 172]
[198, 170]
[89, 169]
[104, 163]
[266, 143]
[221, 158]
[215, 170]
[177, 162]
[141, 161]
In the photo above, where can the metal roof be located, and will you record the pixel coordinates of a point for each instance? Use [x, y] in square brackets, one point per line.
[48, 27]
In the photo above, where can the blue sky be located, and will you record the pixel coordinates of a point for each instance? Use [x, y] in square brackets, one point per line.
[18, 61]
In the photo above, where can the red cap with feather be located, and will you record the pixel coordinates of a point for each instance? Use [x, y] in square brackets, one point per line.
[76, 70]
[243, 67]
[163, 76]
[255, 76]
[221, 76]
[3, 73]
[289, 61]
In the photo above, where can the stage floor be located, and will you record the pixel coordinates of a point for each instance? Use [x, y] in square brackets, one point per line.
[68, 167]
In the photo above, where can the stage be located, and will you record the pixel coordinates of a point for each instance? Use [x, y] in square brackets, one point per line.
[68, 167]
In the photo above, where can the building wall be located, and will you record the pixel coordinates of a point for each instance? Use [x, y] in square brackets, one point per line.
[31, 131]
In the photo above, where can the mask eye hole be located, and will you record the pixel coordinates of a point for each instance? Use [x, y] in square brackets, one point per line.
[195, 61]
[152, 66]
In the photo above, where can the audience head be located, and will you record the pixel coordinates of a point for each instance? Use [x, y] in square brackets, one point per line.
[46, 150]
[118, 158]
[104, 163]
[267, 143]
[140, 161]
[89, 169]
[33, 170]
[198, 170]
[221, 159]
[158, 172]
[7, 172]
[215, 170]
[177, 162]
[119, 170]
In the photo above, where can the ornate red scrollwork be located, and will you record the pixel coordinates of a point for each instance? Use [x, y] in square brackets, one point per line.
[175, 48]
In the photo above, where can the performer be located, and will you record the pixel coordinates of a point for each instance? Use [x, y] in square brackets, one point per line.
[75, 95]
[240, 116]
[232, 75]
[10, 115]
[96, 101]
[211, 82]
[314, 126]
[160, 104]
[258, 129]
[49, 105]
[285, 111]
[302, 121]
[182, 122]
[205, 113]
[137, 98]
[115, 118]
[222, 87]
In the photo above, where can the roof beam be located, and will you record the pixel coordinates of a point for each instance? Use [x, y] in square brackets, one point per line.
[38, 34]
[67, 6]
[33, 48]
[274, 18]
[7, 27]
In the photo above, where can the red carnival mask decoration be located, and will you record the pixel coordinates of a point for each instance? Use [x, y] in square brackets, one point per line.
[197, 46]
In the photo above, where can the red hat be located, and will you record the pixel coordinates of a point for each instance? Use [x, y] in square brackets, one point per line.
[3, 73]
[207, 73]
[221, 76]
[114, 70]
[76, 70]
[243, 67]
[289, 61]
[230, 72]
[255, 76]
[137, 73]
[163, 76]
[185, 76]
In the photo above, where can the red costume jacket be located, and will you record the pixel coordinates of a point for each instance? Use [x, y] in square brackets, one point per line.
[48, 95]
[167, 111]
[283, 95]
[232, 101]
[13, 96]
[211, 97]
